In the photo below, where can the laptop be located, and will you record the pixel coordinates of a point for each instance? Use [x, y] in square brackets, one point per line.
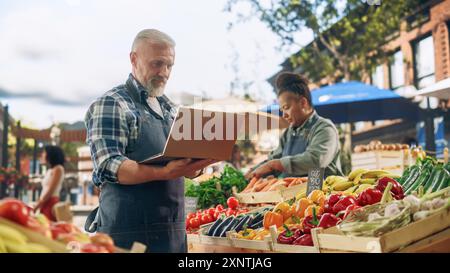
[200, 134]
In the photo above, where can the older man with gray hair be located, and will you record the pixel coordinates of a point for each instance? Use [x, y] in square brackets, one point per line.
[129, 123]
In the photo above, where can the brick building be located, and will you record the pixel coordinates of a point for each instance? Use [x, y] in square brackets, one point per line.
[419, 56]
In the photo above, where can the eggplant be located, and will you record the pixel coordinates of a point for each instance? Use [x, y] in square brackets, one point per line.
[256, 225]
[229, 227]
[214, 226]
[242, 223]
[222, 225]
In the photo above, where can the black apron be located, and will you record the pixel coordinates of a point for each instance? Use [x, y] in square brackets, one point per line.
[150, 213]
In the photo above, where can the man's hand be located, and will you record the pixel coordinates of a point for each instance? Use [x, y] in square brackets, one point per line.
[185, 167]
[269, 167]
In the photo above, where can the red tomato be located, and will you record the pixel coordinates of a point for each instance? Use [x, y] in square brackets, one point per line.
[232, 203]
[230, 212]
[187, 224]
[206, 219]
[15, 211]
[194, 223]
[91, 248]
[190, 215]
[217, 215]
[211, 212]
[219, 208]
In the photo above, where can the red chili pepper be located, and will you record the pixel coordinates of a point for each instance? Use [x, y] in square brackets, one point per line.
[369, 197]
[304, 240]
[328, 220]
[396, 191]
[349, 209]
[343, 204]
[287, 236]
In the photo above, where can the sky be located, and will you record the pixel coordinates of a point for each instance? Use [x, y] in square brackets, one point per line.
[57, 56]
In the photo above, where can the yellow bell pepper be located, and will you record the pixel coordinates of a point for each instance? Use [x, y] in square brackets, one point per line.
[247, 234]
[315, 195]
[260, 235]
[301, 206]
[284, 209]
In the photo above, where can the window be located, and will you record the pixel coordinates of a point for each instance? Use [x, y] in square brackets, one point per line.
[397, 77]
[378, 77]
[424, 62]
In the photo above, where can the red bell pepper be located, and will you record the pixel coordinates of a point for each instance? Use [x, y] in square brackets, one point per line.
[369, 197]
[328, 220]
[304, 240]
[288, 236]
[396, 191]
[343, 204]
[331, 201]
[349, 209]
[310, 222]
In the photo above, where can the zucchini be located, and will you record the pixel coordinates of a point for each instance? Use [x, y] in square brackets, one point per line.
[436, 180]
[222, 225]
[430, 180]
[405, 175]
[415, 173]
[443, 181]
[419, 181]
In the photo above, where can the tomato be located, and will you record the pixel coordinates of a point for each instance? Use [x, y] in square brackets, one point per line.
[194, 223]
[190, 215]
[62, 228]
[211, 212]
[206, 219]
[230, 212]
[232, 203]
[217, 214]
[104, 240]
[15, 211]
[92, 248]
[219, 208]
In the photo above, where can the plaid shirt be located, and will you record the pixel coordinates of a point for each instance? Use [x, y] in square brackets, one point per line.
[112, 123]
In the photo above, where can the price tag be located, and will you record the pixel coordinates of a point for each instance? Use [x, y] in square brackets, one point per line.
[315, 180]
[190, 204]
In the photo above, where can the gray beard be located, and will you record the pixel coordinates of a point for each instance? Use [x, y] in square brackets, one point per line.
[154, 91]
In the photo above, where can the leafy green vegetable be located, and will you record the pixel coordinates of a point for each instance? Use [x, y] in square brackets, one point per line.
[216, 190]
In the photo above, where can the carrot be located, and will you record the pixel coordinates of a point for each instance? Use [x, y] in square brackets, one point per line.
[259, 185]
[271, 182]
[275, 186]
[289, 179]
[250, 184]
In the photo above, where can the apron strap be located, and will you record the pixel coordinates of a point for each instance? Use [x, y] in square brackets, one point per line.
[91, 224]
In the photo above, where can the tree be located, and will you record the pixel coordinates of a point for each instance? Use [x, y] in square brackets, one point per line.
[349, 36]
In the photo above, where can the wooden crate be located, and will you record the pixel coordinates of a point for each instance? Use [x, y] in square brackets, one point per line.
[263, 245]
[276, 247]
[393, 161]
[212, 240]
[34, 237]
[280, 195]
[332, 240]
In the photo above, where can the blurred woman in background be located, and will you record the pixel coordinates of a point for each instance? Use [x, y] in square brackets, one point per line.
[53, 156]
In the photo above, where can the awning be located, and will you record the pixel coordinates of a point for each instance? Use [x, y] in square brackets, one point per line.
[440, 90]
[356, 101]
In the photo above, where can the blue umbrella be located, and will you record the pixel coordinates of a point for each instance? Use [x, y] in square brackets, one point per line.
[356, 101]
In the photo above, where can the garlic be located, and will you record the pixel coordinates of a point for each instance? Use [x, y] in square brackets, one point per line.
[420, 215]
[427, 205]
[373, 216]
[437, 203]
[414, 203]
[391, 210]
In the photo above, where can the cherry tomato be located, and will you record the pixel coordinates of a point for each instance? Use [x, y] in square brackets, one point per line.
[206, 219]
[219, 208]
[211, 211]
[217, 214]
[232, 203]
[190, 215]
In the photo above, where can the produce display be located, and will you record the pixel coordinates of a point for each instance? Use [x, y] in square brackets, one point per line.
[14, 241]
[376, 145]
[427, 175]
[271, 183]
[216, 190]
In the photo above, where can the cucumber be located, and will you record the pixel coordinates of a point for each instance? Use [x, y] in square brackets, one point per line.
[436, 180]
[405, 175]
[419, 181]
[443, 181]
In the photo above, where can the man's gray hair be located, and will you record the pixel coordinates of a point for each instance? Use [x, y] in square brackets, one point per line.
[153, 36]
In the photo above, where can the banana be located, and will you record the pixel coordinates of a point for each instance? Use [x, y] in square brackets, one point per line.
[3, 246]
[342, 186]
[353, 174]
[351, 189]
[16, 248]
[37, 248]
[368, 181]
[374, 174]
[12, 235]
[362, 187]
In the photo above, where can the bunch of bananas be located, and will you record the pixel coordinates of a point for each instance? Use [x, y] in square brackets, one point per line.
[356, 182]
[13, 241]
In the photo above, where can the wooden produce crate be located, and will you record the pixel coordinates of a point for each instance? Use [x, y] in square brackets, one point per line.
[212, 240]
[34, 237]
[333, 240]
[263, 245]
[280, 195]
[276, 247]
[393, 161]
